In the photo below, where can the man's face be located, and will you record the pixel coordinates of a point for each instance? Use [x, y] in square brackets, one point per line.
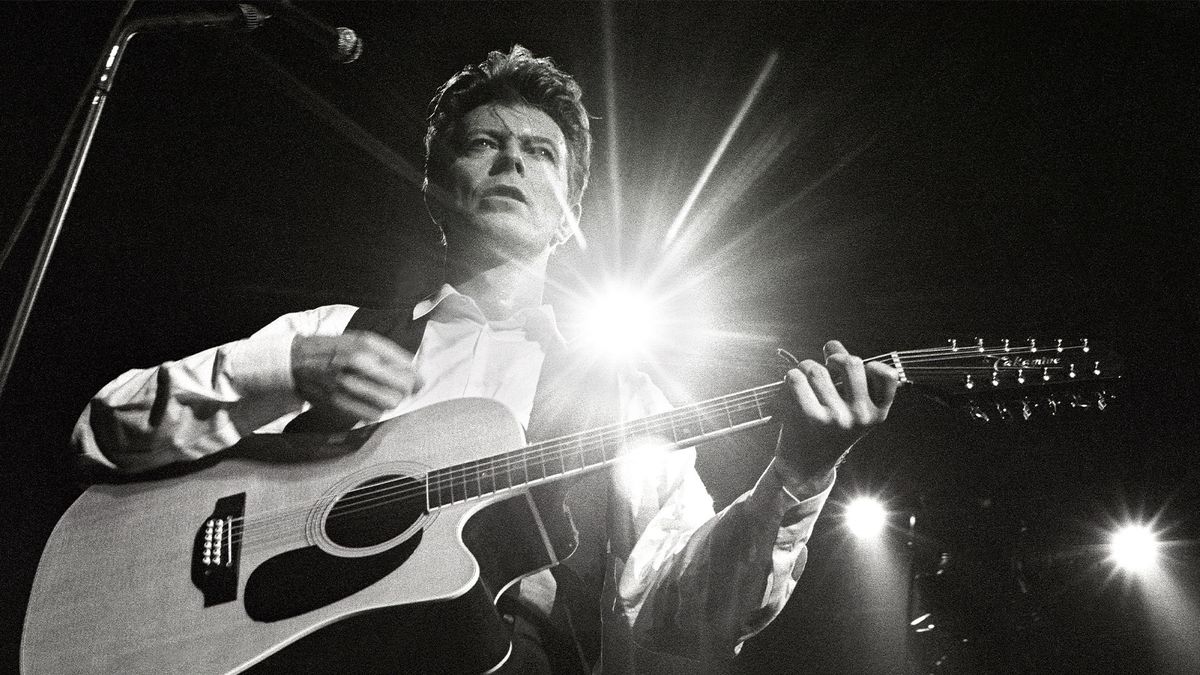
[509, 182]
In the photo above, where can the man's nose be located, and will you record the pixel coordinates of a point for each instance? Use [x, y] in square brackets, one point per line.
[509, 159]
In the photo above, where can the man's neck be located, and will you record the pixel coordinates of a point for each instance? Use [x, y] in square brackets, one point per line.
[503, 289]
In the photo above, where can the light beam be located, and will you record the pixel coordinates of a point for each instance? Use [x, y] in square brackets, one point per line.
[730, 131]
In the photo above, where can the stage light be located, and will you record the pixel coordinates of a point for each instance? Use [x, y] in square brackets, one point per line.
[866, 517]
[620, 322]
[1134, 548]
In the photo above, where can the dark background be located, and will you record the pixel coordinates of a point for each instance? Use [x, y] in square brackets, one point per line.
[909, 173]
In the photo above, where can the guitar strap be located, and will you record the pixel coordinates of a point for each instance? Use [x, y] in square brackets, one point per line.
[394, 323]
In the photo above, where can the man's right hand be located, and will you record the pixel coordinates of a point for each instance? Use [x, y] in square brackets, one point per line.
[357, 374]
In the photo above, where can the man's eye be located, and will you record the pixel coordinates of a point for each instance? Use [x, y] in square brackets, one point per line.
[480, 143]
[544, 153]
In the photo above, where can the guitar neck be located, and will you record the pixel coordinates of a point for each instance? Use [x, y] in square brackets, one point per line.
[954, 370]
[586, 451]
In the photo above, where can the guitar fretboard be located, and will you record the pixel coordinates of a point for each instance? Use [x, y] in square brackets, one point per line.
[549, 460]
[958, 368]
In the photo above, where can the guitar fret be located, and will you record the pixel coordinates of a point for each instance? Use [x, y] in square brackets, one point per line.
[487, 481]
[758, 406]
[605, 440]
[478, 477]
[470, 480]
[595, 453]
[577, 457]
[502, 477]
[535, 470]
[688, 428]
[743, 413]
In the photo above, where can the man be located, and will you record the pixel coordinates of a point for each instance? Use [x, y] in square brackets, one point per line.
[507, 156]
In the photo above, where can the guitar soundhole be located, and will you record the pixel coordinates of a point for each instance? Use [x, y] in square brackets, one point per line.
[373, 512]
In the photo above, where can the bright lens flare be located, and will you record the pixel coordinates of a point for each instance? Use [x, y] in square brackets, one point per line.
[866, 517]
[621, 323]
[1134, 548]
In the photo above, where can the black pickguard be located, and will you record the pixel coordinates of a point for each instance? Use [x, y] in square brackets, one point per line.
[306, 579]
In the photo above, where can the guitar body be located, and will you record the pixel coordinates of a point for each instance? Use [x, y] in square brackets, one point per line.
[143, 577]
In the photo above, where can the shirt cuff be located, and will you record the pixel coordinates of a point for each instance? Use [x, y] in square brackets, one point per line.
[780, 494]
[262, 364]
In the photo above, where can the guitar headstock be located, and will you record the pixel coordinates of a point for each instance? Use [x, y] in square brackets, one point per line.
[1009, 380]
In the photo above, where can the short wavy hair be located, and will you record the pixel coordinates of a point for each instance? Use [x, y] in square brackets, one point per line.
[515, 77]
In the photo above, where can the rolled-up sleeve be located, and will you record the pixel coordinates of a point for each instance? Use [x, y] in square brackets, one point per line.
[186, 409]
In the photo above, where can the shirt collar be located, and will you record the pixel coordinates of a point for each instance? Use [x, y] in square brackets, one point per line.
[538, 322]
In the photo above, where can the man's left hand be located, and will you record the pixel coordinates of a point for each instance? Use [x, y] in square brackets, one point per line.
[827, 408]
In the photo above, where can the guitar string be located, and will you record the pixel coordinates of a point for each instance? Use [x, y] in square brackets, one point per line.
[540, 453]
[536, 450]
[467, 471]
[545, 454]
[737, 403]
[549, 453]
[362, 496]
[473, 471]
[484, 471]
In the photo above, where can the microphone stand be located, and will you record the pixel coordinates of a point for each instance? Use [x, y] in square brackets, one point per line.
[245, 18]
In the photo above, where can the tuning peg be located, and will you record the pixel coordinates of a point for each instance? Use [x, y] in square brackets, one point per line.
[1096, 368]
[1026, 409]
[995, 378]
[977, 413]
[969, 383]
[1101, 400]
[979, 344]
[1058, 345]
[1020, 376]
[953, 344]
[1071, 372]
[1086, 348]
[1032, 345]
[1052, 404]
[1006, 347]
[1045, 374]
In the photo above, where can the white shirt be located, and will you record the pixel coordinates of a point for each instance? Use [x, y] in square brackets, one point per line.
[189, 408]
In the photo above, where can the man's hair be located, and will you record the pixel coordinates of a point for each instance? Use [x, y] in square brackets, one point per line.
[515, 77]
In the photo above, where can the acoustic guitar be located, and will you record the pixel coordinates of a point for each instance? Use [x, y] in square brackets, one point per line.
[246, 561]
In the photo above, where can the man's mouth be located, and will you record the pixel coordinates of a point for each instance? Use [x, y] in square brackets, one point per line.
[504, 191]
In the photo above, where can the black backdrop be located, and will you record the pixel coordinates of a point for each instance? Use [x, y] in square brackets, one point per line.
[909, 173]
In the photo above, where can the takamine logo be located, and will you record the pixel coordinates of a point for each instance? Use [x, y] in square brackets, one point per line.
[1026, 362]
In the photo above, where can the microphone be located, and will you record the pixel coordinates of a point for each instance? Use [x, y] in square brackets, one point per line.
[340, 45]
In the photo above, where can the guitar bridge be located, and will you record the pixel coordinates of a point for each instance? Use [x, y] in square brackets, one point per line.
[217, 551]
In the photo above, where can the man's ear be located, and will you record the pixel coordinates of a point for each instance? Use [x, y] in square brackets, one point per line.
[567, 225]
